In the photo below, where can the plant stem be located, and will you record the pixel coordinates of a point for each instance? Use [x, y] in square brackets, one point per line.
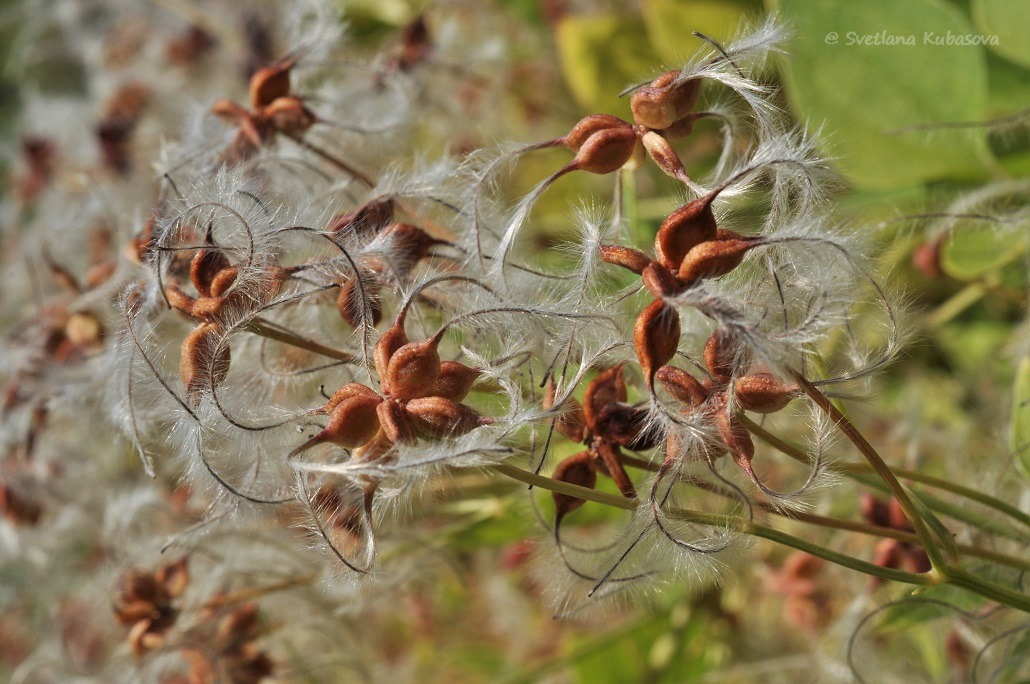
[264, 329]
[913, 475]
[878, 464]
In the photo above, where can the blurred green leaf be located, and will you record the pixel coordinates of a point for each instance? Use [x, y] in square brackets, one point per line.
[844, 75]
[915, 610]
[671, 23]
[601, 55]
[1009, 20]
[1021, 415]
[977, 248]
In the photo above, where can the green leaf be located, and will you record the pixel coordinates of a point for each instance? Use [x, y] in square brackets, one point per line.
[976, 248]
[1009, 22]
[863, 70]
[915, 610]
[1021, 415]
[671, 23]
[601, 55]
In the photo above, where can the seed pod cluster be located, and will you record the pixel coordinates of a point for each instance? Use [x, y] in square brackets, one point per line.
[144, 602]
[718, 400]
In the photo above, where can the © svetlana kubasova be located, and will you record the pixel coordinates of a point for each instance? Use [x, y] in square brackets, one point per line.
[341, 352]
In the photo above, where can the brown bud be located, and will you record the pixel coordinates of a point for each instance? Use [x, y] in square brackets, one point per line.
[395, 423]
[684, 229]
[571, 423]
[414, 369]
[352, 306]
[927, 259]
[630, 259]
[198, 366]
[387, 345]
[763, 393]
[656, 337]
[270, 83]
[19, 505]
[204, 266]
[578, 469]
[874, 510]
[660, 282]
[605, 151]
[661, 152]
[714, 259]
[682, 385]
[665, 101]
[352, 422]
[455, 381]
[896, 515]
[439, 417]
[608, 387]
[588, 126]
[238, 625]
[724, 355]
[736, 438]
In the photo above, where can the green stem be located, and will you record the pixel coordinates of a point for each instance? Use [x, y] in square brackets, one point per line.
[987, 589]
[866, 449]
[913, 475]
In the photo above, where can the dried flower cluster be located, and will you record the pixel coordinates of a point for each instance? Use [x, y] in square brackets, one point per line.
[309, 326]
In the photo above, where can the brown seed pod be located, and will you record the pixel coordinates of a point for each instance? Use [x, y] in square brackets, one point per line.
[656, 337]
[364, 222]
[18, 504]
[724, 354]
[661, 152]
[289, 115]
[439, 417]
[223, 280]
[624, 424]
[351, 305]
[175, 576]
[270, 83]
[396, 424]
[714, 259]
[630, 259]
[763, 393]
[682, 385]
[896, 515]
[98, 274]
[660, 282]
[353, 422]
[455, 381]
[874, 510]
[571, 423]
[684, 229]
[608, 387]
[349, 390]
[665, 101]
[588, 126]
[205, 265]
[578, 469]
[389, 342]
[198, 366]
[412, 244]
[736, 438]
[414, 369]
[605, 151]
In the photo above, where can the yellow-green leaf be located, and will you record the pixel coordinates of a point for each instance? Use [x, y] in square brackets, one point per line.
[1021, 415]
[671, 23]
[601, 55]
[1007, 23]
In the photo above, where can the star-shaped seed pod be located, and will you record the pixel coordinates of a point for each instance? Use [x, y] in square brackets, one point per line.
[605, 423]
[144, 601]
[273, 109]
[719, 400]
